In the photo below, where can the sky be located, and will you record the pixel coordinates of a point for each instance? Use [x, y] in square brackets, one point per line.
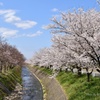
[22, 21]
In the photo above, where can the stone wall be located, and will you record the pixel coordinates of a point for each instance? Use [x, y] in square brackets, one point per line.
[53, 89]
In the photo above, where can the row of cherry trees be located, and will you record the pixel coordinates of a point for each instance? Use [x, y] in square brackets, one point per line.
[76, 42]
[9, 56]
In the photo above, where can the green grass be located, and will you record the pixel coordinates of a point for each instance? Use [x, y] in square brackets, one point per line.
[45, 70]
[9, 80]
[77, 88]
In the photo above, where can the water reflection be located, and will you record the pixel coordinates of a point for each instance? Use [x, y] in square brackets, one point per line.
[32, 89]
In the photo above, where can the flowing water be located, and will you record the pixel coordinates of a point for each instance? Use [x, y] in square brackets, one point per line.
[32, 89]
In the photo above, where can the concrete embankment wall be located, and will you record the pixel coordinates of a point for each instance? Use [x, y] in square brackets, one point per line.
[53, 89]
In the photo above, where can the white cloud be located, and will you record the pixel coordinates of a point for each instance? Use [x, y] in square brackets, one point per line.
[10, 17]
[38, 33]
[25, 24]
[45, 27]
[34, 34]
[9, 33]
[1, 4]
[5, 32]
[29, 35]
[54, 9]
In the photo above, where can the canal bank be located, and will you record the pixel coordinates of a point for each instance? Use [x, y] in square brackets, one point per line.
[53, 89]
[31, 88]
[9, 81]
[20, 84]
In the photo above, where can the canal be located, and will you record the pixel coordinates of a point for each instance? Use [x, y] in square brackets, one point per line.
[32, 89]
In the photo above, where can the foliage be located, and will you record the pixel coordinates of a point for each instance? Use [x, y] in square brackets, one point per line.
[9, 56]
[78, 43]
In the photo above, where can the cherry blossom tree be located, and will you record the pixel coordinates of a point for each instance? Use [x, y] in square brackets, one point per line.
[77, 45]
[85, 28]
[9, 56]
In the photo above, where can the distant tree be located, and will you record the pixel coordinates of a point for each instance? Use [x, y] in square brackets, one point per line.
[9, 56]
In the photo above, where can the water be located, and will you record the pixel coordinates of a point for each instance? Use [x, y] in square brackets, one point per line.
[32, 89]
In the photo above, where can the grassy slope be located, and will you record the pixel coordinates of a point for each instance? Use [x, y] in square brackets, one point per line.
[47, 71]
[77, 88]
[9, 80]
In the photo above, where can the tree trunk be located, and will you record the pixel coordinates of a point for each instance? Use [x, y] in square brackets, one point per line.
[79, 72]
[5, 69]
[60, 70]
[1, 69]
[66, 70]
[88, 74]
[88, 77]
[71, 70]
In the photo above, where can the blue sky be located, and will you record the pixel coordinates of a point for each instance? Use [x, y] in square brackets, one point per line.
[22, 21]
